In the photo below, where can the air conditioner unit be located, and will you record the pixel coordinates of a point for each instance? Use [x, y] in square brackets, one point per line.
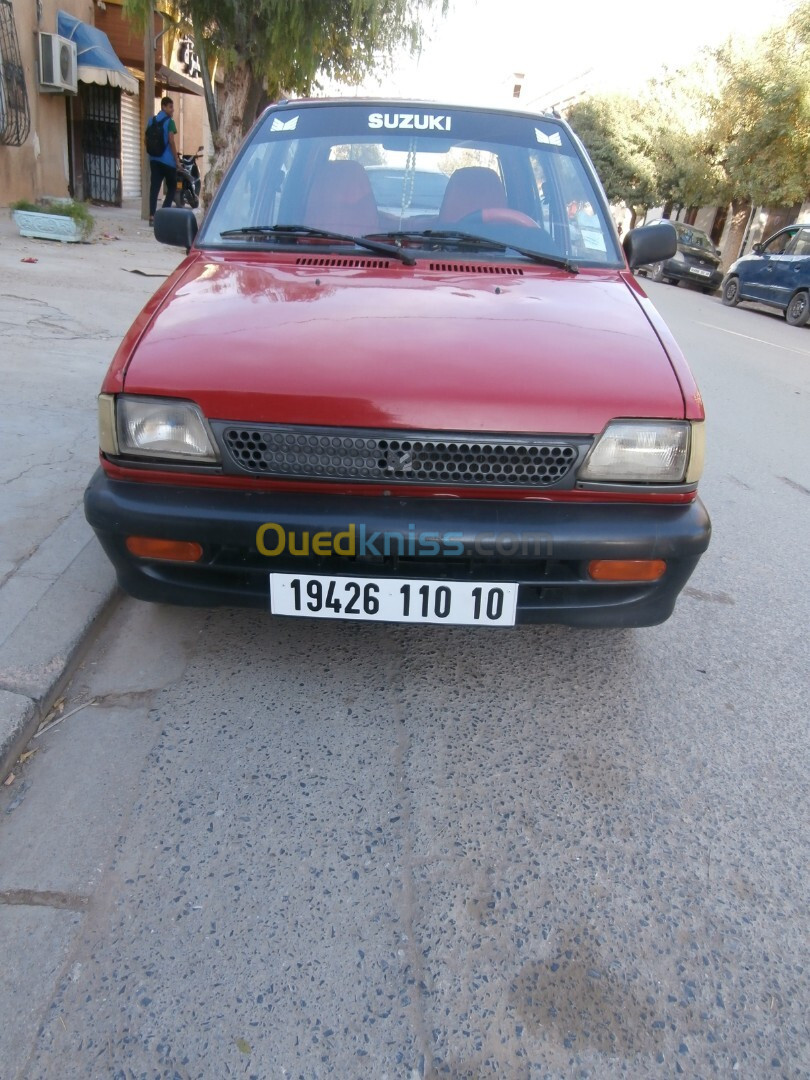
[57, 64]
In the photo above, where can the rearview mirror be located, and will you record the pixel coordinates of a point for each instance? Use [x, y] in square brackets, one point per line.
[650, 244]
[176, 227]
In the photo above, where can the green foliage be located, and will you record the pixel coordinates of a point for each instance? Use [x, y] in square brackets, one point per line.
[275, 48]
[75, 210]
[288, 43]
[619, 139]
[760, 115]
[735, 127]
[676, 111]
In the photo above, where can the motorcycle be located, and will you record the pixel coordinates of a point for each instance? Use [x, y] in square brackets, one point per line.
[188, 181]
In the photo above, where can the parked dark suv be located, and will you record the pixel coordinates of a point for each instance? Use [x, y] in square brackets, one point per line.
[776, 273]
[697, 260]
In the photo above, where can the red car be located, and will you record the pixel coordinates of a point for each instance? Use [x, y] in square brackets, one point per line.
[469, 414]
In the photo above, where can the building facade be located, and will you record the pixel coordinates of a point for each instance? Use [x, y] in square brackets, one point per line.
[39, 165]
[87, 143]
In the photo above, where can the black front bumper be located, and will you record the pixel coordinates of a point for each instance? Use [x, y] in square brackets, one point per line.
[679, 271]
[550, 567]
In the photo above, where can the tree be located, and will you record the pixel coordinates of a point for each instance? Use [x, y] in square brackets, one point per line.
[732, 128]
[618, 138]
[675, 106]
[759, 130]
[761, 114]
[273, 47]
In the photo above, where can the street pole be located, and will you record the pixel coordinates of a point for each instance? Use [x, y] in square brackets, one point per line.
[148, 107]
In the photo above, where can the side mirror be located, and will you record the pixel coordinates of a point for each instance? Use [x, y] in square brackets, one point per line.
[717, 251]
[757, 249]
[649, 244]
[176, 227]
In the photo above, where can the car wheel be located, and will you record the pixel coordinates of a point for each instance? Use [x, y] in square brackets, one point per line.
[798, 310]
[731, 292]
[657, 272]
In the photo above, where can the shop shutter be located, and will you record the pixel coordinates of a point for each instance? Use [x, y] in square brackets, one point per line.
[131, 144]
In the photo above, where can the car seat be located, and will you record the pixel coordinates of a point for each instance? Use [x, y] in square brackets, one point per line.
[469, 190]
[340, 199]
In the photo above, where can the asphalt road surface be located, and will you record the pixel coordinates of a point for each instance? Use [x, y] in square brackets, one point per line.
[271, 848]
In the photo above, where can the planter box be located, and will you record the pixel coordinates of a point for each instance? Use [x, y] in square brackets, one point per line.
[48, 226]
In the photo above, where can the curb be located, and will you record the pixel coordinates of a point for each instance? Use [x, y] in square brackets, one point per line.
[52, 619]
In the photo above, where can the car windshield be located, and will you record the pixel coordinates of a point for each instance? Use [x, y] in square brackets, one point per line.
[695, 238]
[417, 177]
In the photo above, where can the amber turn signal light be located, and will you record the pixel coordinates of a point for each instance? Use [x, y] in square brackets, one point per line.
[626, 569]
[147, 547]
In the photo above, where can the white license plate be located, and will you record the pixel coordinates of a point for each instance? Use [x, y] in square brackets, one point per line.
[459, 603]
[700, 273]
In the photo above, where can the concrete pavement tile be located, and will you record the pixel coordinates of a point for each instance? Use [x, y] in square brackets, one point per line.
[152, 653]
[16, 713]
[34, 577]
[36, 943]
[33, 659]
[87, 770]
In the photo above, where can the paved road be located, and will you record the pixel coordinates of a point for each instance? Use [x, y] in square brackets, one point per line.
[280, 849]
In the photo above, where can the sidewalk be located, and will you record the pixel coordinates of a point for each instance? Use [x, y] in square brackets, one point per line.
[61, 319]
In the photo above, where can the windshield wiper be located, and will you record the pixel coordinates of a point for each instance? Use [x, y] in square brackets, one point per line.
[280, 231]
[440, 235]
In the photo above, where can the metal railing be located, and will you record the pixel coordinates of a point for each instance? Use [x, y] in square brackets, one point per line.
[15, 115]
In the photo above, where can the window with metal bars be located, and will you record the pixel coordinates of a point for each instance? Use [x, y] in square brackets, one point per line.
[15, 116]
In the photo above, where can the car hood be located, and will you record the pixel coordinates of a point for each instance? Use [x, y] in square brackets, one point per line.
[357, 342]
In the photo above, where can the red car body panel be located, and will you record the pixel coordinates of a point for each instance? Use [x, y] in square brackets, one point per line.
[693, 401]
[253, 337]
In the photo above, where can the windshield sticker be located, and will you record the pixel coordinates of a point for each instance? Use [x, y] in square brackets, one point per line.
[284, 125]
[553, 138]
[410, 121]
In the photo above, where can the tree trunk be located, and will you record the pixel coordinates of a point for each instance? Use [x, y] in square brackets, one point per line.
[633, 216]
[667, 211]
[236, 110]
[740, 212]
[205, 75]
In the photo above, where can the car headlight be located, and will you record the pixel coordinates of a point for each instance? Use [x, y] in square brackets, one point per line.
[646, 452]
[156, 428]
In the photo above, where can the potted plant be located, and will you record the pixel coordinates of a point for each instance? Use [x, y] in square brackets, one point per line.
[69, 222]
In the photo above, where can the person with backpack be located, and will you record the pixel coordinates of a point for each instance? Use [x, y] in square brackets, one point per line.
[163, 157]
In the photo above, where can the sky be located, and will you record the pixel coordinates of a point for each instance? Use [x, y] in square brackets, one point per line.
[471, 55]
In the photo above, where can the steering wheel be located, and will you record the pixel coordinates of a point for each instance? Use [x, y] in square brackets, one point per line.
[497, 215]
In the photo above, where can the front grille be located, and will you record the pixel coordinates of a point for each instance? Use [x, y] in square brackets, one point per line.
[406, 458]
